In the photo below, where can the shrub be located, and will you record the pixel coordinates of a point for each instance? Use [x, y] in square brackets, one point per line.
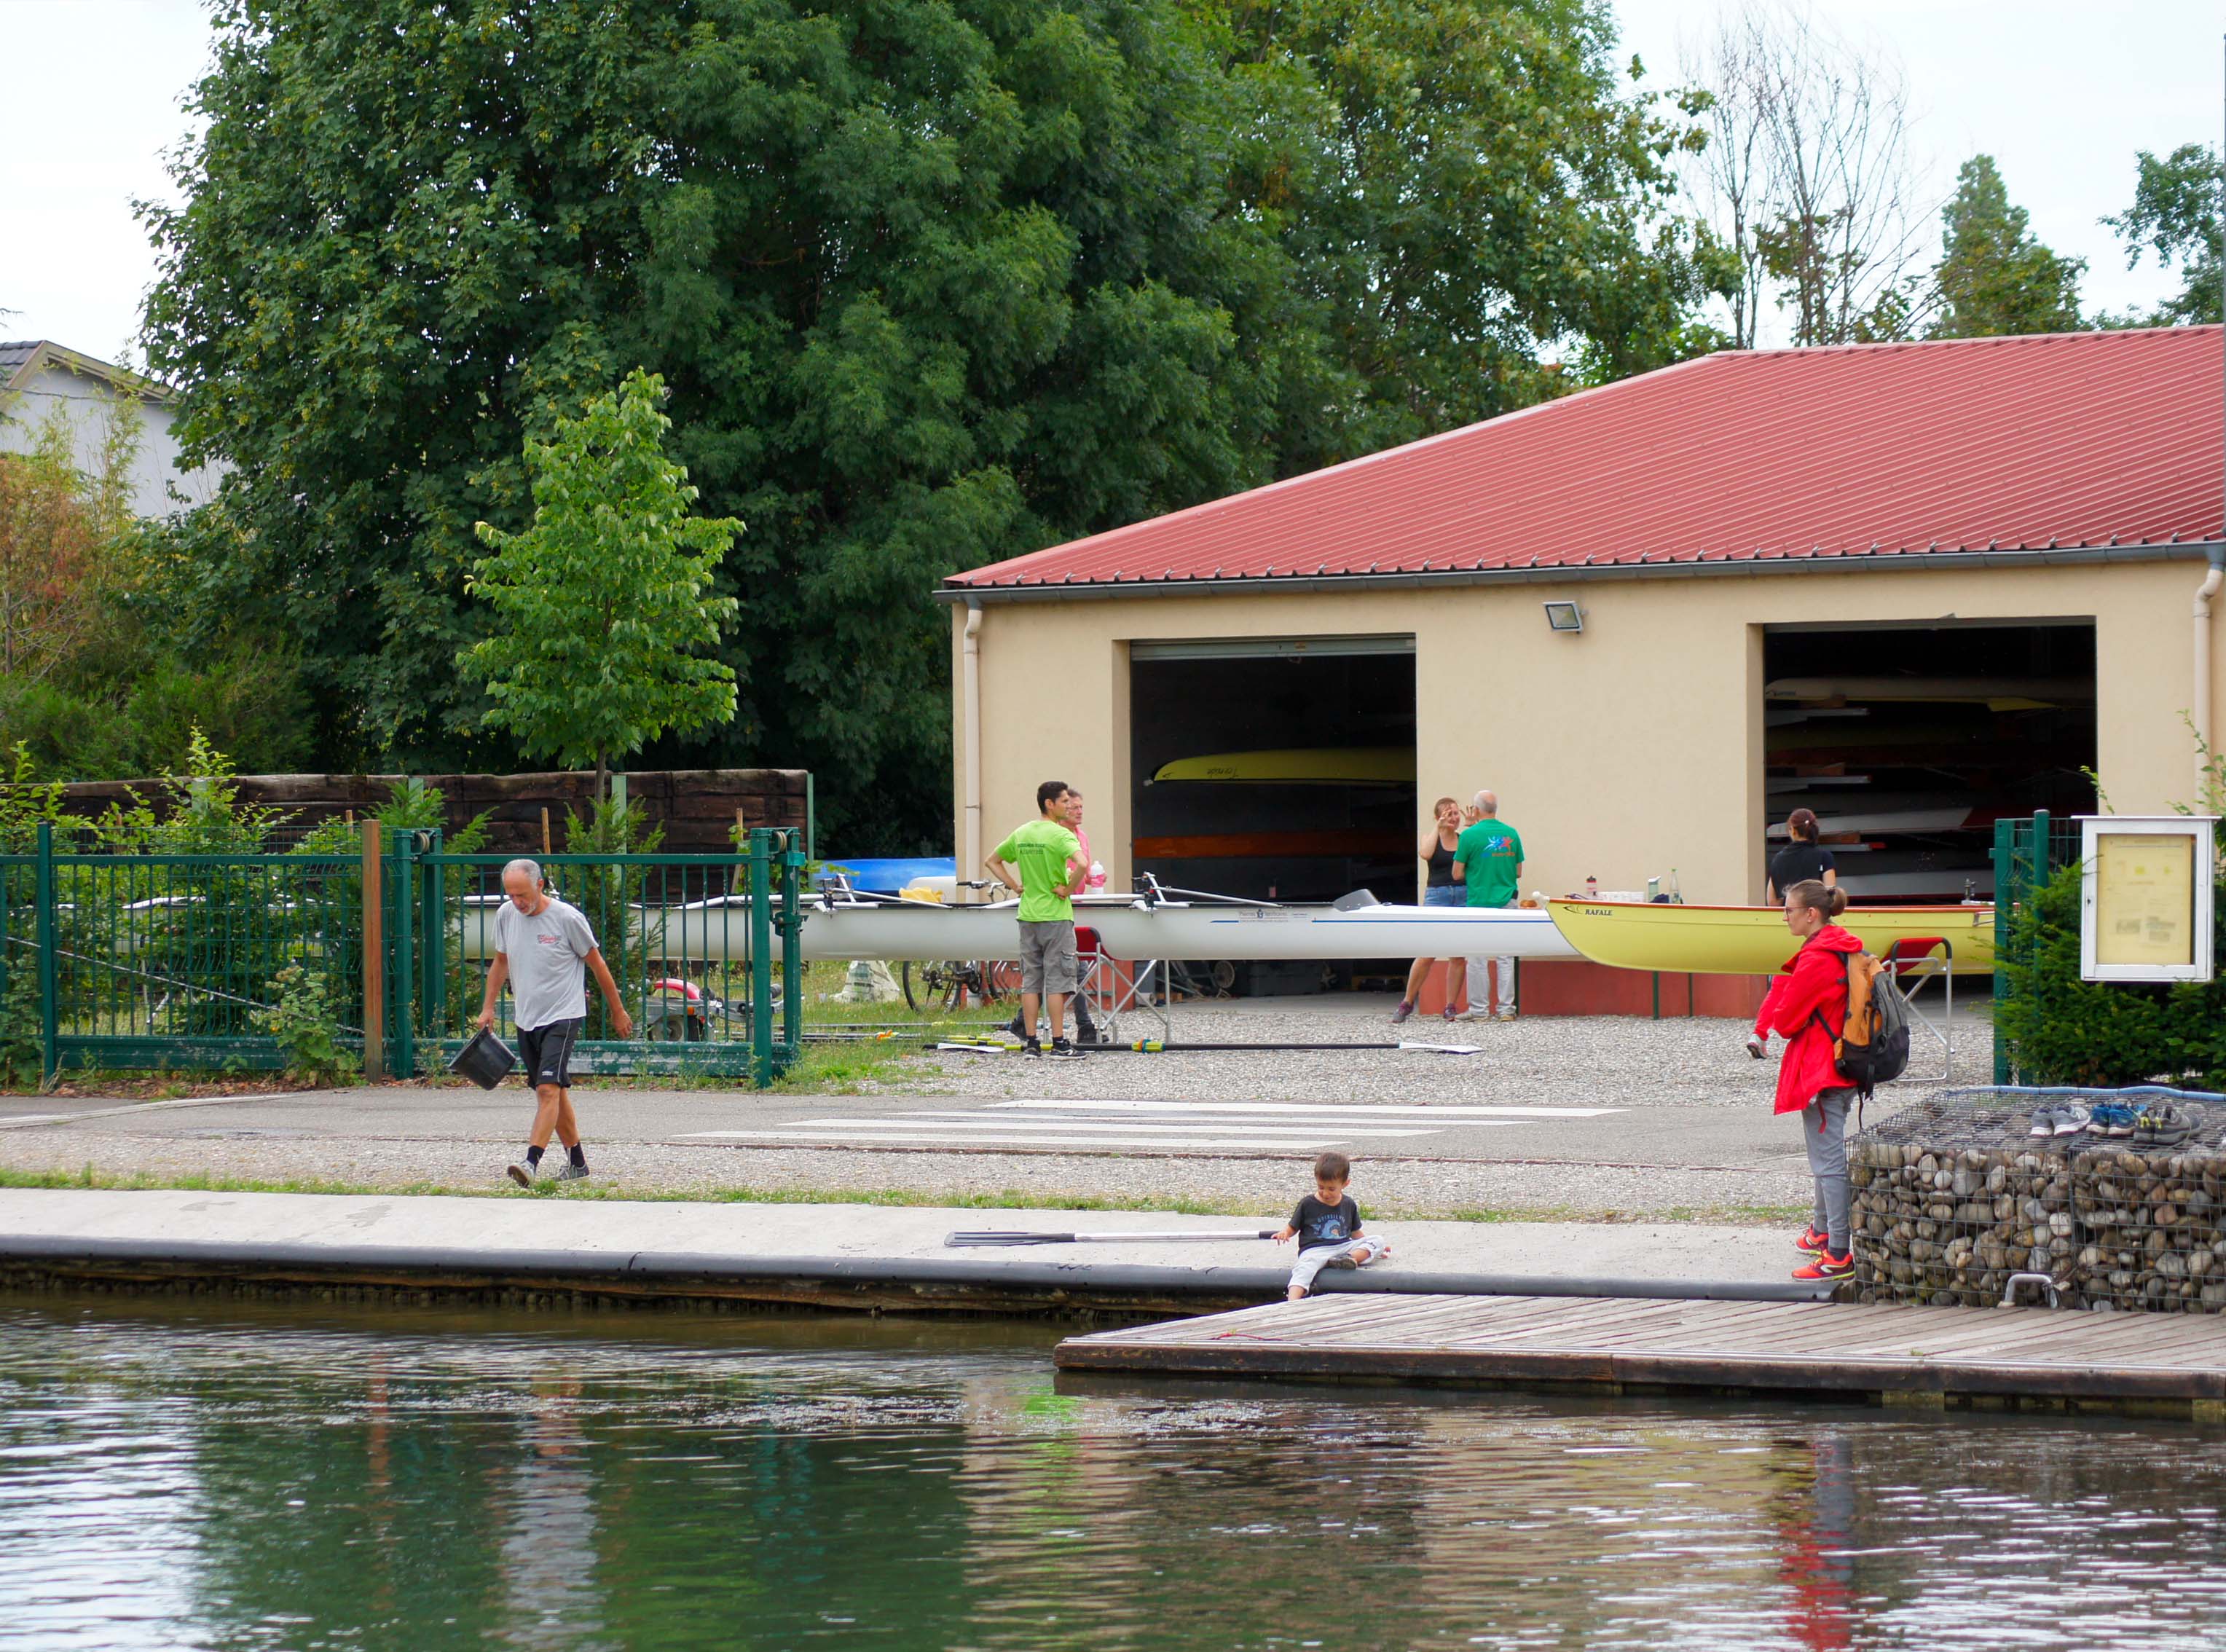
[22, 1038]
[2061, 1030]
[302, 1022]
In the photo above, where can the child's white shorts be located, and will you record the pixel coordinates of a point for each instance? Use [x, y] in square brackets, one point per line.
[1362, 1251]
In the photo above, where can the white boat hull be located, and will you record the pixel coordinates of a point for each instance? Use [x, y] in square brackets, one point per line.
[718, 932]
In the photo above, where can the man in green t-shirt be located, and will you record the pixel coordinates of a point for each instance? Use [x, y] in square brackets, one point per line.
[1488, 862]
[1034, 863]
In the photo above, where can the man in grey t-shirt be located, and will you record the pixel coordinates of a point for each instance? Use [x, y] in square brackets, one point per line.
[543, 949]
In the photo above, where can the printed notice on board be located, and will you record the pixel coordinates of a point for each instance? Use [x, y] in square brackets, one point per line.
[2144, 898]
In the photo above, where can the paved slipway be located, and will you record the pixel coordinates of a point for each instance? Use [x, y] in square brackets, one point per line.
[1582, 1120]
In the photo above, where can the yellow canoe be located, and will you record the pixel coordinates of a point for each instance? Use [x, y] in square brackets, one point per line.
[1320, 765]
[1752, 940]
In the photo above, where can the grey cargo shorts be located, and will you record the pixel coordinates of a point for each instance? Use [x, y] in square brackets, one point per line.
[1047, 960]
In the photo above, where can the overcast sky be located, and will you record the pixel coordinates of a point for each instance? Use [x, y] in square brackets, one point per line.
[2061, 94]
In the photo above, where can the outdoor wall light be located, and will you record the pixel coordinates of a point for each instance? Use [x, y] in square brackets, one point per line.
[1565, 616]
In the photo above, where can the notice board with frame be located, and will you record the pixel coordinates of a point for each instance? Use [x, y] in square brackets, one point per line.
[2145, 902]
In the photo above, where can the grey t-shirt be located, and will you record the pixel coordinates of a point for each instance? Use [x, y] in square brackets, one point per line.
[548, 955]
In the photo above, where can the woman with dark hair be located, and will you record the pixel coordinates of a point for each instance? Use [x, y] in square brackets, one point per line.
[1801, 859]
[1438, 889]
[1807, 1006]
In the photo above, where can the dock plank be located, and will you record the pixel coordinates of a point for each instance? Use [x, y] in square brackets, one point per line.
[1838, 1350]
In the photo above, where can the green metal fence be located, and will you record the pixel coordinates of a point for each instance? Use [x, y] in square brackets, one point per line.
[162, 960]
[2026, 853]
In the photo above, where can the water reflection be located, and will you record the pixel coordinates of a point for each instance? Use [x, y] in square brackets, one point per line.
[174, 1479]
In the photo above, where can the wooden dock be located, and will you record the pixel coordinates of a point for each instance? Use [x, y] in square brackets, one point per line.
[2174, 1364]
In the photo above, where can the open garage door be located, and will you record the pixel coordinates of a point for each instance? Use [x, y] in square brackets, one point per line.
[1278, 768]
[1908, 741]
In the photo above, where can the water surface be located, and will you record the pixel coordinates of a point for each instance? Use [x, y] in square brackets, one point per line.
[240, 1478]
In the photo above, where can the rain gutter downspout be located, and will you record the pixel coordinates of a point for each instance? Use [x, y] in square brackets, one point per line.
[2200, 704]
[971, 737]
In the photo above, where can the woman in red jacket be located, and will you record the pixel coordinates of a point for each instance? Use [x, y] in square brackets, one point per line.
[1807, 1006]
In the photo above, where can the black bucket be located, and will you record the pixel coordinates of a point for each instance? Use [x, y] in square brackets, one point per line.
[486, 1060]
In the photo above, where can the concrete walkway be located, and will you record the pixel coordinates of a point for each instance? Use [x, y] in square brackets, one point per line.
[827, 1255]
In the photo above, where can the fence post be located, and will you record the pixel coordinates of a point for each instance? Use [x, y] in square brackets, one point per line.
[433, 941]
[760, 857]
[2005, 894]
[374, 959]
[49, 984]
[791, 945]
[405, 890]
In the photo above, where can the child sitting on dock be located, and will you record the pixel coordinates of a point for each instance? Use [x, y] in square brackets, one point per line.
[1327, 1225]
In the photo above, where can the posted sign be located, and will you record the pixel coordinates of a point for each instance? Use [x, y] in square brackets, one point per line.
[2145, 897]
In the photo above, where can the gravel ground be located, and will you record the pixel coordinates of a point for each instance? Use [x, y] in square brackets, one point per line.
[1546, 1061]
[1264, 1186]
[1601, 1061]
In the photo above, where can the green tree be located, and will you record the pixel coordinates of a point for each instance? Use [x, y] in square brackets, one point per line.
[1462, 187]
[1994, 277]
[601, 604]
[933, 283]
[2175, 215]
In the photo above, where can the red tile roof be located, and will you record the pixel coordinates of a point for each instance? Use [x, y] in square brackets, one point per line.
[1748, 457]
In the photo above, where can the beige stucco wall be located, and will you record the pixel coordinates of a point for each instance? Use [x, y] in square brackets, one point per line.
[1620, 752]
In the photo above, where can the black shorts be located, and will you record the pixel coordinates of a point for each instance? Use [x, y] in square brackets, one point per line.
[546, 1052]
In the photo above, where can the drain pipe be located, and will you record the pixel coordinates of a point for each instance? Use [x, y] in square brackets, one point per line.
[2201, 707]
[970, 689]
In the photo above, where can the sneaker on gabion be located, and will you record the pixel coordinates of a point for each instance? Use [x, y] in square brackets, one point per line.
[2070, 1121]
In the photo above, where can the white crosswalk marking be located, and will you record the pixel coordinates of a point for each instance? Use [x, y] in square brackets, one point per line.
[1101, 1125]
[1312, 1109]
[947, 1139]
[1256, 1128]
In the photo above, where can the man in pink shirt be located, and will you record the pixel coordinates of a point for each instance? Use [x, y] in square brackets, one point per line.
[1086, 877]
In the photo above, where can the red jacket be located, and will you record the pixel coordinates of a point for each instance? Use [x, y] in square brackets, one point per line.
[1812, 983]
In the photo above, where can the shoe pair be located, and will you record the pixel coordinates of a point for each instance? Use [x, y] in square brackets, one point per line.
[1061, 1050]
[2112, 1118]
[563, 1170]
[2059, 1121]
[2163, 1126]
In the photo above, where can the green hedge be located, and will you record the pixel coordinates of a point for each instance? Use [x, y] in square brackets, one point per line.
[2061, 1030]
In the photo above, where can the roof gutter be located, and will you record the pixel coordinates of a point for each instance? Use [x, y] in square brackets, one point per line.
[1855, 562]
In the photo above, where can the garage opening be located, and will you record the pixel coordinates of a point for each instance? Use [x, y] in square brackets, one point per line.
[1276, 769]
[1909, 742]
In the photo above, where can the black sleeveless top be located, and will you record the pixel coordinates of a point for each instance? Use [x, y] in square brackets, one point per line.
[1441, 865]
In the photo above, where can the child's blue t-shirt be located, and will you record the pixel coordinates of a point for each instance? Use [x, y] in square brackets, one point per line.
[1325, 1224]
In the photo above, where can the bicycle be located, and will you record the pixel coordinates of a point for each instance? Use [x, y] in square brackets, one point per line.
[944, 984]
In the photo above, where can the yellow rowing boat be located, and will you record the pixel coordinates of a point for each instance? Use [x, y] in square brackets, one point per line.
[1311, 766]
[1752, 940]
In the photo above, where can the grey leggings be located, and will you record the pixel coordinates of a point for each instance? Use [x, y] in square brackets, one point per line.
[1824, 1127]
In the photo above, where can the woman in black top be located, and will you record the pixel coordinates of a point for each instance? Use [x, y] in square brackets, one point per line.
[1438, 889]
[1803, 859]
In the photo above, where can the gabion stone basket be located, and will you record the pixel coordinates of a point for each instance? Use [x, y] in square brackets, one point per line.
[1953, 1195]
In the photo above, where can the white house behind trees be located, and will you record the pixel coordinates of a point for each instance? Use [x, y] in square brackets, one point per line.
[42, 380]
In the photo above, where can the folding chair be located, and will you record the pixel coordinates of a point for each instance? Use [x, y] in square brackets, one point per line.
[1098, 983]
[1907, 965]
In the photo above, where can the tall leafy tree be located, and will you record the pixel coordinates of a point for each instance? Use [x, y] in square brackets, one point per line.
[931, 282]
[601, 604]
[1994, 277]
[2175, 216]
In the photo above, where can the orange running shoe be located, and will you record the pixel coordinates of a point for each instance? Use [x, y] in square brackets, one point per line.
[1825, 1265]
[1812, 1242]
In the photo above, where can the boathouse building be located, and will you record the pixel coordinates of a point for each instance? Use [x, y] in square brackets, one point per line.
[1911, 586]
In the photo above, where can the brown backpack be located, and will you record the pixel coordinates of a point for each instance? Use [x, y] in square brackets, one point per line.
[1871, 1046]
